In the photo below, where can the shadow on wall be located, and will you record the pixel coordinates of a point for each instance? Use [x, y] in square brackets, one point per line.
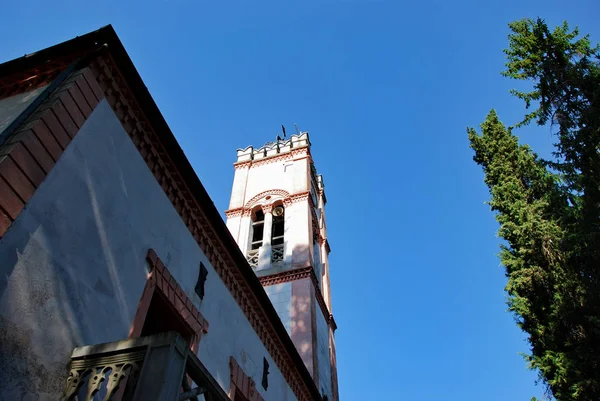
[303, 309]
[301, 256]
[71, 273]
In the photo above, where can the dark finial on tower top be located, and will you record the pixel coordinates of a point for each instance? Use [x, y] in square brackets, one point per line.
[283, 130]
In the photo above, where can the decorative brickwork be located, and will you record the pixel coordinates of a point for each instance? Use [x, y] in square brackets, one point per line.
[242, 165]
[296, 154]
[241, 387]
[286, 276]
[31, 152]
[160, 279]
[280, 193]
[234, 212]
[287, 200]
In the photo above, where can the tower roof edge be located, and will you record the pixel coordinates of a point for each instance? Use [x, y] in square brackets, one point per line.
[279, 146]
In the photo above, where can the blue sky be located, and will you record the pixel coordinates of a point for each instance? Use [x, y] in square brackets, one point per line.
[386, 90]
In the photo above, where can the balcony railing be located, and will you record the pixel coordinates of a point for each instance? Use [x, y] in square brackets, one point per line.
[276, 254]
[252, 258]
[157, 367]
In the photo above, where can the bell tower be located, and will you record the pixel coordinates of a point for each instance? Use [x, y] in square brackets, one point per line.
[277, 216]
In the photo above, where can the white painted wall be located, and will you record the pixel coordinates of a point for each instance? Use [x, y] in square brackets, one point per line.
[238, 188]
[73, 268]
[289, 175]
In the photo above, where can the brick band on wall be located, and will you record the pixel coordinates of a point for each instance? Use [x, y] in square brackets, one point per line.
[241, 384]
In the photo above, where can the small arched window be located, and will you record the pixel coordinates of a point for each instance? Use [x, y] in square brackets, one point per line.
[278, 225]
[258, 226]
[277, 232]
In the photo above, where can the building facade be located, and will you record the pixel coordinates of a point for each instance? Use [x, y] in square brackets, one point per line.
[277, 216]
[117, 270]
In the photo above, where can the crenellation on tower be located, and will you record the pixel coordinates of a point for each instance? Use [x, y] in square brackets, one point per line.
[270, 149]
[277, 216]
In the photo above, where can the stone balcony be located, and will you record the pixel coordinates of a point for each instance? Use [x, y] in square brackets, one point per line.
[152, 368]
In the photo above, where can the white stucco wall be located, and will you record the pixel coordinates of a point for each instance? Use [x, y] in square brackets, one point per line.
[239, 187]
[297, 228]
[263, 177]
[240, 228]
[289, 175]
[73, 268]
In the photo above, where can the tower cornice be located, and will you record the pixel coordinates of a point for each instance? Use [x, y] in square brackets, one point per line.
[296, 154]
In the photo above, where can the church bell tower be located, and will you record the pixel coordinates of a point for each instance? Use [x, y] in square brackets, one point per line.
[277, 216]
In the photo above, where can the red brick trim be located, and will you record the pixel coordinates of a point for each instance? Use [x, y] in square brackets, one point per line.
[287, 200]
[296, 154]
[160, 279]
[287, 276]
[242, 165]
[299, 274]
[28, 155]
[237, 212]
[282, 193]
[240, 383]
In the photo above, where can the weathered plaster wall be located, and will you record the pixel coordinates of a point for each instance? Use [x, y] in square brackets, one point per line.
[73, 268]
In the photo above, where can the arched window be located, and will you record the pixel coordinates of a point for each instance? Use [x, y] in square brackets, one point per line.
[258, 226]
[277, 233]
[278, 225]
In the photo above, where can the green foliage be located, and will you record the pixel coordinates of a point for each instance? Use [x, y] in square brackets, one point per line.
[549, 211]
